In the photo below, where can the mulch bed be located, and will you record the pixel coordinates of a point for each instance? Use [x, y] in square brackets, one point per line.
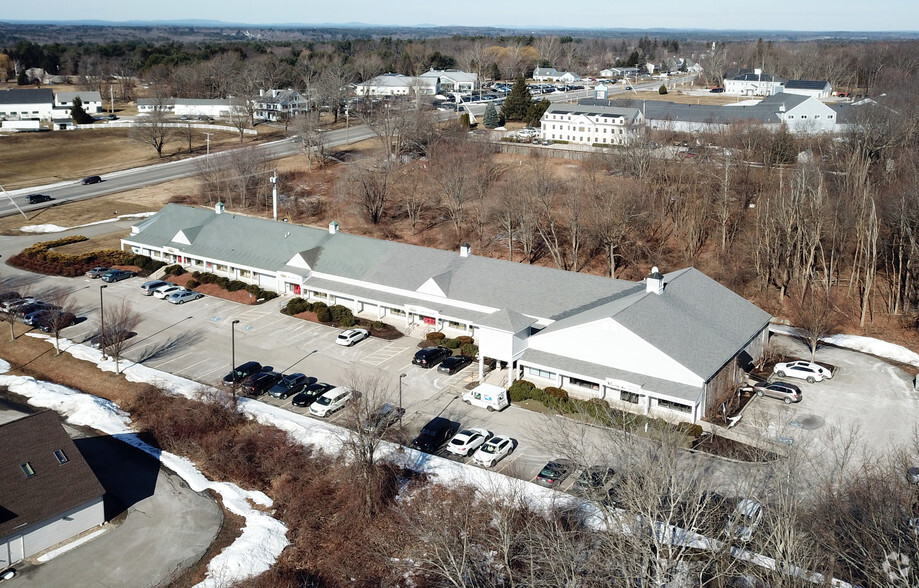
[240, 296]
[386, 332]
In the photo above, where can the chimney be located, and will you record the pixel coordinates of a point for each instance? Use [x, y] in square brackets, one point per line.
[333, 227]
[465, 248]
[219, 207]
[655, 282]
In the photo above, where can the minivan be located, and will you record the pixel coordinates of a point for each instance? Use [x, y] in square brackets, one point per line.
[332, 401]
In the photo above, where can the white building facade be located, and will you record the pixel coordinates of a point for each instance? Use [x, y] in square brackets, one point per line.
[590, 125]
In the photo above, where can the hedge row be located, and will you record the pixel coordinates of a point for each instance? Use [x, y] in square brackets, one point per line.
[464, 343]
[338, 314]
[43, 259]
[229, 285]
[596, 409]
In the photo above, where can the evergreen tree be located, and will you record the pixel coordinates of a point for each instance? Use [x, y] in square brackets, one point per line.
[662, 90]
[493, 72]
[535, 112]
[518, 101]
[22, 79]
[490, 119]
[78, 115]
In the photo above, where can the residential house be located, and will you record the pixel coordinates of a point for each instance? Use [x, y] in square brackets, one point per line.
[673, 346]
[755, 83]
[453, 80]
[272, 105]
[593, 124]
[393, 84]
[48, 493]
[188, 107]
[545, 74]
[817, 88]
[91, 102]
[620, 72]
[26, 105]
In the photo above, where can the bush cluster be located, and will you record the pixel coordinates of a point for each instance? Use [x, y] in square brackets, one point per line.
[192, 284]
[233, 285]
[42, 258]
[174, 270]
[435, 338]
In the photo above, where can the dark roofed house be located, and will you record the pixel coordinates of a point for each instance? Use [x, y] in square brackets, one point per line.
[815, 88]
[48, 493]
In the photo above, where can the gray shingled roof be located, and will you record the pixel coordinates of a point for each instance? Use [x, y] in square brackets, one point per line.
[630, 113]
[55, 487]
[31, 96]
[507, 320]
[88, 96]
[258, 243]
[698, 113]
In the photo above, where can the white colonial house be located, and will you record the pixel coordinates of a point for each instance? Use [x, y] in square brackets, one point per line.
[270, 105]
[818, 89]
[755, 83]
[590, 124]
[92, 101]
[48, 493]
[189, 107]
[32, 105]
[453, 80]
[393, 84]
[673, 346]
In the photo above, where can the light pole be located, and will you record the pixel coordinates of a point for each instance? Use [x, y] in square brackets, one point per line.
[102, 321]
[400, 398]
[233, 324]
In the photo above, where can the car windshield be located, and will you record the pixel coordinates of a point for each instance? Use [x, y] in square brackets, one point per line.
[488, 448]
[324, 400]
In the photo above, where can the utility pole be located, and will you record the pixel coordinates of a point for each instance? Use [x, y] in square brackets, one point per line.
[274, 193]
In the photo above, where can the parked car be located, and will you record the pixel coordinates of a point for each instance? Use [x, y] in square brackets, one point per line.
[352, 336]
[805, 370]
[453, 364]
[91, 180]
[117, 275]
[241, 372]
[593, 481]
[311, 393]
[38, 198]
[384, 417]
[713, 512]
[912, 475]
[163, 291]
[12, 304]
[32, 317]
[289, 385]
[98, 271]
[431, 356]
[148, 287]
[553, 473]
[493, 451]
[717, 90]
[468, 440]
[25, 311]
[781, 390]
[744, 520]
[434, 434]
[331, 402]
[258, 384]
[9, 296]
[184, 296]
[49, 321]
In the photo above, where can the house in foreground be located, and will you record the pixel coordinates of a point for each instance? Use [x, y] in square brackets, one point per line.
[673, 346]
[48, 493]
[593, 124]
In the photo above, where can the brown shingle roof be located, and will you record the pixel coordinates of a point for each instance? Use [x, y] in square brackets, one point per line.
[55, 487]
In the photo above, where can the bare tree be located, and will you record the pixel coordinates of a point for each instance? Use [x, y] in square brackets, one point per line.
[817, 314]
[61, 316]
[154, 129]
[307, 130]
[368, 189]
[120, 323]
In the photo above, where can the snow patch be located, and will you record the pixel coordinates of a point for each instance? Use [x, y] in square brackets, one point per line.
[58, 229]
[868, 345]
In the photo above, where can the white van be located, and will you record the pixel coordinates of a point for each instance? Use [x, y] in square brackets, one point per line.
[488, 396]
[332, 401]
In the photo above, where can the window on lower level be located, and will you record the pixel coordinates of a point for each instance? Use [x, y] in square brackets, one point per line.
[540, 373]
[674, 406]
[584, 384]
[630, 397]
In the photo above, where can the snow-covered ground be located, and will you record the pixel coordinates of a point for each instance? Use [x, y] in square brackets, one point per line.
[867, 345]
[58, 229]
[263, 538]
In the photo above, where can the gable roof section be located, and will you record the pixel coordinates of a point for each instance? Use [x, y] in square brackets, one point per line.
[269, 245]
[89, 96]
[31, 96]
[506, 320]
[697, 113]
[806, 84]
[55, 488]
[593, 110]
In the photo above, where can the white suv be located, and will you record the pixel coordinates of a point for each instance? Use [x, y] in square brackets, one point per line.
[331, 402]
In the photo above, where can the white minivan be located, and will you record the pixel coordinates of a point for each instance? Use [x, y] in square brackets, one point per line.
[332, 401]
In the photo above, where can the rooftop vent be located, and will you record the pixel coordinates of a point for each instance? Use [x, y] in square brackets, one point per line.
[655, 282]
[333, 227]
[465, 248]
[219, 207]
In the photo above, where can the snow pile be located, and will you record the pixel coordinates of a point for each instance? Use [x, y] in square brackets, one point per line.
[58, 229]
[263, 538]
[867, 345]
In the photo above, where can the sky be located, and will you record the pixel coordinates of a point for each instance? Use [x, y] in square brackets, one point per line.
[812, 15]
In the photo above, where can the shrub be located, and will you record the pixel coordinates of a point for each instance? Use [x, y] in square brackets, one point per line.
[450, 343]
[340, 313]
[662, 90]
[253, 289]
[435, 337]
[690, 429]
[192, 284]
[520, 390]
[174, 270]
[470, 350]
[266, 295]
[236, 286]
[376, 325]
[557, 393]
[222, 282]
[348, 321]
[465, 340]
[323, 315]
[296, 306]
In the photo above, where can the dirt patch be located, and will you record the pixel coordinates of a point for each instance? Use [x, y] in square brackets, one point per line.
[240, 296]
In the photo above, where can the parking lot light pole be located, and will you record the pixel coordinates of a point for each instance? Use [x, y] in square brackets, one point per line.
[102, 321]
[233, 324]
[400, 398]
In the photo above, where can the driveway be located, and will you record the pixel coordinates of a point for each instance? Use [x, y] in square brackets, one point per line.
[157, 526]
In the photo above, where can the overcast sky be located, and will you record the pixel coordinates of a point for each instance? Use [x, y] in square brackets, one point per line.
[810, 15]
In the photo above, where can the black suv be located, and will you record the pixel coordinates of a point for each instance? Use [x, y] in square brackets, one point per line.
[431, 356]
[91, 180]
[242, 372]
[433, 435]
[38, 198]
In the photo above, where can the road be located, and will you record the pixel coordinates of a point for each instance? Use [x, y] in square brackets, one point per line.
[165, 172]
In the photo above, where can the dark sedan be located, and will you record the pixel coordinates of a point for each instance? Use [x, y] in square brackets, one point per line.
[38, 198]
[241, 372]
[258, 384]
[289, 385]
[311, 393]
[553, 473]
[117, 275]
[453, 364]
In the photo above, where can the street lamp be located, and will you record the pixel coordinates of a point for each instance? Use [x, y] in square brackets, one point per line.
[400, 398]
[102, 321]
[233, 324]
